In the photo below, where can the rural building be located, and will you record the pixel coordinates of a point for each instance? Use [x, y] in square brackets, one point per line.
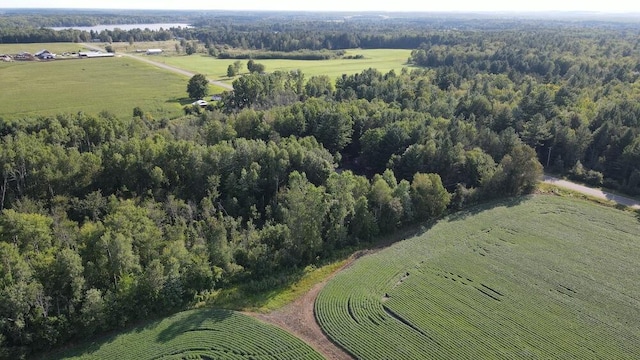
[45, 55]
[24, 56]
[154, 51]
[94, 54]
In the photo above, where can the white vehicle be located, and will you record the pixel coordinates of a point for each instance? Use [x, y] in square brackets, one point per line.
[200, 103]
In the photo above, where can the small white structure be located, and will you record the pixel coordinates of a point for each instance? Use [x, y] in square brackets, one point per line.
[154, 51]
[45, 55]
[200, 102]
[94, 54]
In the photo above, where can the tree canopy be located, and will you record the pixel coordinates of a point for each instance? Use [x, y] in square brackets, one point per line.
[198, 87]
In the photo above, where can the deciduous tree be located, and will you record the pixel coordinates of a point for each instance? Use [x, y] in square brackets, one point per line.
[198, 87]
[430, 198]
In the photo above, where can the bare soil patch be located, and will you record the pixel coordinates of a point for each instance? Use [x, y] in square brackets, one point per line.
[299, 319]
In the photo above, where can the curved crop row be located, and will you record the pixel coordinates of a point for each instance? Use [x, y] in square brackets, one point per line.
[198, 334]
[519, 280]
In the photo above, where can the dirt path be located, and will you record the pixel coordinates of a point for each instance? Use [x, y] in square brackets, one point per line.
[163, 66]
[299, 319]
[634, 204]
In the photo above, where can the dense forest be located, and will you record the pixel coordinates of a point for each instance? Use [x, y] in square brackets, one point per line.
[107, 221]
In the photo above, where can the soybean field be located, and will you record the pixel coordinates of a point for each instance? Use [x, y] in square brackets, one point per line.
[536, 278]
[199, 334]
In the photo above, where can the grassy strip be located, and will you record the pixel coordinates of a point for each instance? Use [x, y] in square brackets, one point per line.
[292, 286]
[550, 189]
[247, 299]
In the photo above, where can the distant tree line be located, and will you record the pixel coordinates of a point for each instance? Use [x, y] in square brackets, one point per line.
[36, 18]
[42, 35]
[294, 55]
[289, 33]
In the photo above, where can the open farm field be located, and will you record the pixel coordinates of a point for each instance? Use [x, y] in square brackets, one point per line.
[56, 48]
[168, 47]
[115, 84]
[199, 334]
[537, 278]
[382, 59]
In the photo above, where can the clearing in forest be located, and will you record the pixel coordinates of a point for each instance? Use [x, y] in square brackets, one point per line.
[382, 60]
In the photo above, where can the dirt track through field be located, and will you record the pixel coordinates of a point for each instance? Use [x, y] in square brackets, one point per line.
[622, 200]
[299, 319]
[163, 66]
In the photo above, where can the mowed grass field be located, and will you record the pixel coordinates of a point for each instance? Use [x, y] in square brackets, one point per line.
[382, 59]
[56, 48]
[198, 334]
[114, 84]
[540, 278]
[119, 84]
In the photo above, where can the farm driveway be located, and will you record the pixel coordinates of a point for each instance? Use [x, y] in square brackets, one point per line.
[163, 66]
[634, 204]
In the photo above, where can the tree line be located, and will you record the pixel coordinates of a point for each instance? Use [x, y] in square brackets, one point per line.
[106, 221]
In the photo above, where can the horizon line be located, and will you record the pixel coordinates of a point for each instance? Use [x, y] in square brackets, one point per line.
[510, 11]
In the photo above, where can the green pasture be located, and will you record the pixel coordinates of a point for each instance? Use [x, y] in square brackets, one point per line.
[56, 48]
[198, 334]
[382, 59]
[168, 46]
[114, 84]
[541, 277]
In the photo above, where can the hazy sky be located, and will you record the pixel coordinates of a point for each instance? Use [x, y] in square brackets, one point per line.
[333, 5]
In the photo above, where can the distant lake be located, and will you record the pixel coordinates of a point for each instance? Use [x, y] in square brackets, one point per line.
[125, 27]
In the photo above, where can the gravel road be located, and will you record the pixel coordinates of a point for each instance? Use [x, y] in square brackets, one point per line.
[635, 204]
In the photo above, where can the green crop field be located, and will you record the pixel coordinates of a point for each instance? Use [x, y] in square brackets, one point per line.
[199, 334]
[540, 278]
[90, 85]
[382, 59]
